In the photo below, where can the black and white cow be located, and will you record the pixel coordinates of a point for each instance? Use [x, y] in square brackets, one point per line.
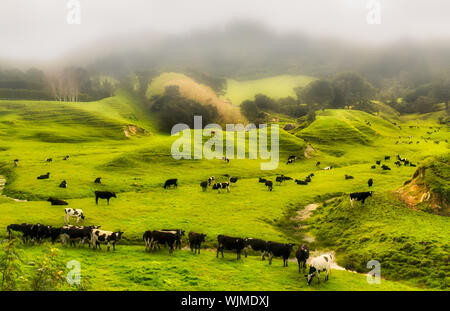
[195, 241]
[221, 185]
[318, 264]
[171, 182]
[66, 158]
[107, 237]
[302, 255]
[63, 184]
[73, 234]
[275, 249]
[230, 243]
[16, 162]
[48, 160]
[74, 213]
[159, 237]
[210, 180]
[359, 196]
[104, 195]
[57, 201]
[256, 245]
[180, 234]
[98, 180]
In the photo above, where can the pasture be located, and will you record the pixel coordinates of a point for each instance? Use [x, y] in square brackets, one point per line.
[136, 166]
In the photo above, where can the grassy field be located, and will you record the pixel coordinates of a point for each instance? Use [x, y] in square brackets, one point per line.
[137, 166]
[275, 87]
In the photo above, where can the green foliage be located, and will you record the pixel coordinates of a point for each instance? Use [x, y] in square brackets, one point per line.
[48, 272]
[10, 265]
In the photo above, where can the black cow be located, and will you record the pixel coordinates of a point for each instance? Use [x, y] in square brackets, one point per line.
[171, 182]
[269, 184]
[413, 165]
[230, 243]
[66, 158]
[24, 228]
[164, 237]
[370, 182]
[275, 249]
[98, 180]
[57, 201]
[46, 176]
[48, 160]
[180, 235]
[233, 180]
[104, 195]
[301, 182]
[378, 162]
[302, 255]
[204, 185]
[373, 167]
[147, 237]
[75, 233]
[262, 180]
[387, 158]
[318, 163]
[257, 245]
[385, 168]
[349, 177]
[359, 196]
[63, 184]
[54, 233]
[195, 241]
[221, 185]
[307, 179]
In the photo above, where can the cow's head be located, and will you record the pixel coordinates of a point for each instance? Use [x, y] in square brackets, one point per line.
[310, 275]
[290, 246]
[202, 237]
[50, 199]
[113, 195]
[370, 193]
[119, 234]
[182, 232]
[82, 216]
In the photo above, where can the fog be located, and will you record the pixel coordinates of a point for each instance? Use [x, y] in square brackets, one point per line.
[39, 30]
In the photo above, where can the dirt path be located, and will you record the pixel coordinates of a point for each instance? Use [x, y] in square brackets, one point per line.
[2, 185]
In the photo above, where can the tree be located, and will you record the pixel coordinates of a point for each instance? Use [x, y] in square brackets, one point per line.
[351, 89]
[440, 89]
[318, 94]
[10, 266]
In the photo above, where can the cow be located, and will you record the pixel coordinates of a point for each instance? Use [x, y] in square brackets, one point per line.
[104, 195]
[108, 237]
[210, 180]
[269, 184]
[300, 182]
[16, 162]
[318, 264]
[46, 176]
[226, 159]
[327, 168]
[373, 167]
[230, 243]
[63, 184]
[147, 237]
[221, 185]
[24, 228]
[262, 180]
[370, 182]
[308, 179]
[378, 162]
[348, 177]
[54, 233]
[398, 163]
[39, 232]
[279, 179]
[257, 245]
[48, 160]
[195, 241]
[98, 180]
[76, 233]
[275, 249]
[57, 201]
[180, 234]
[318, 163]
[290, 161]
[413, 165]
[302, 255]
[292, 157]
[233, 180]
[385, 168]
[171, 182]
[387, 158]
[66, 158]
[160, 237]
[75, 213]
[359, 196]
[204, 185]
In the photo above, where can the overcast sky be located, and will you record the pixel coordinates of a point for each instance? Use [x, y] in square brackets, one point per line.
[38, 29]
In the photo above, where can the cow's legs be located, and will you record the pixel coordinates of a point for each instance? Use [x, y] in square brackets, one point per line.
[245, 252]
[270, 258]
[351, 202]
[114, 246]
[263, 254]
[107, 200]
[318, 276]
[96, 200]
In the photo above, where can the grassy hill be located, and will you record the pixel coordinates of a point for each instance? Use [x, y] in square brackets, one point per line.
[136, 166]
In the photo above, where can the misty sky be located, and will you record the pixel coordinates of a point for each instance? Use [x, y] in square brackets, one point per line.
[38, 29]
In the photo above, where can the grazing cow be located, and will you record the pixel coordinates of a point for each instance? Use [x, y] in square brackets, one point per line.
[16, 162]
[75, 213]
[48, 160]
[385, 168]
[302, 255]
[290, 161]
[160, 237]
[398, 163]
[378, 162]
[262, 180]
[413, 165]
[370, 182]
[98, 180]
[292, 157]
[180, 233]
[204, 185]
[221, 185]
[348, 177]
[39, 232]
[308, 179]
[104, 195]
[230, 243]
[373, 167]
[147, 237]
[327, 168]
[275, 249]
[269, 184]
[210, 180]
[66, 158]
[318, 163]
[233, 180]
[279, 179]
[75, 233]
[387, 158]
[53, 233]
[195, 241]
[318, 264]
[257, 245]
[57, 201]
[300, 182]
[63, 184]
[46, 176]
[108, 237]
[171, 182]
[24, 228]
[359, 196]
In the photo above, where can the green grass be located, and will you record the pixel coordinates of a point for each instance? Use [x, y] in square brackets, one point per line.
[137, 166]
[274, 87]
